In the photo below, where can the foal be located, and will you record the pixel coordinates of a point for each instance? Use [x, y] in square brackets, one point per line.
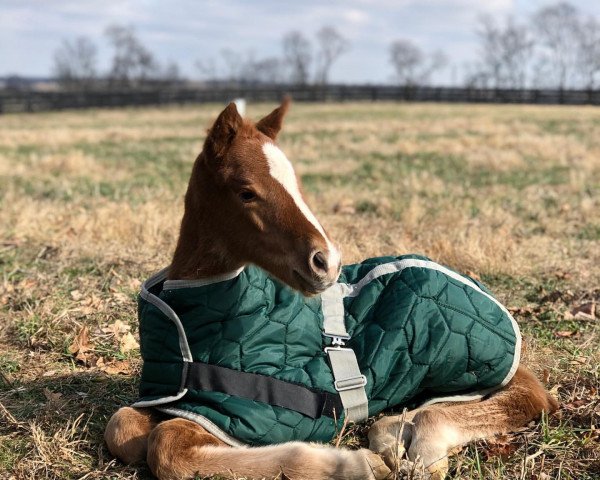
[244, 206]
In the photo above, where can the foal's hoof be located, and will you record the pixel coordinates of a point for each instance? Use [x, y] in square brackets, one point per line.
[415, 470]
[392, 454]
[378, 467]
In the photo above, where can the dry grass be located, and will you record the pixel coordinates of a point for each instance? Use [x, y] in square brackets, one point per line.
[90, 205]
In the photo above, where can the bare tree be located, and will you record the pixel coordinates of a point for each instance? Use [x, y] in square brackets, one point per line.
[588, 58]
[517, 47]
[170, 74]
[208, 69]
[435, 61]
[412, 65]
[263, 70]
[240, 69]
[505, 53]
[557, 29]
[331, 46]
[407, 59]
[75, 63]
[234, 65]
[298, 56]
[132, 62]
[475, 76]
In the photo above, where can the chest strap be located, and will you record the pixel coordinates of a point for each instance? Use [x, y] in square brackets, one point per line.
[260, 388]
[348, 379]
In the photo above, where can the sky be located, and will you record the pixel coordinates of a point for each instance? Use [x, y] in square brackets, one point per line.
[185, 31]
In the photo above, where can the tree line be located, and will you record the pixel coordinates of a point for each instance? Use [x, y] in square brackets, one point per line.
[75, 63]
[556, 47]
[302, 62]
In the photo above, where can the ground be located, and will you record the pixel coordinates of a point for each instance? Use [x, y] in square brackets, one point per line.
[90, 204]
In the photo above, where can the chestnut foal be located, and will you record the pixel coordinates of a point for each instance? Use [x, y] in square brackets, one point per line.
[243, 205]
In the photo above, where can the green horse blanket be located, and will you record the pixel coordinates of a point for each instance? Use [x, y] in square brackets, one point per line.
[255, 362]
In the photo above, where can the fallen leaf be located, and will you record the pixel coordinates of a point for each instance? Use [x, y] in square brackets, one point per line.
[522, 311]
[115, 368]
[83, 358]
[576, 404]
[565, 333]
[121, 298]
[28, 284]
[345, 206]
[540, 476]
[52, 397]
[85, 311]
[552, 296]
[94, 302]
[128, 343]
[117, 328]
[563, 275]
[500, 446]
[81, 343]
[546, 376]
[76, 295]
[585, 311]
[579, 360]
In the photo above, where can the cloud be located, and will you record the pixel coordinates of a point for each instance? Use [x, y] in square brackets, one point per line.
[355, 16]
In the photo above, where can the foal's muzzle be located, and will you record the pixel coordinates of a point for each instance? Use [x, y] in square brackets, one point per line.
[324, 269]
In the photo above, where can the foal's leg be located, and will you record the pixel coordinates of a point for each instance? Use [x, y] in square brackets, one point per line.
[180, 449]
[434, 431]
[127, 431]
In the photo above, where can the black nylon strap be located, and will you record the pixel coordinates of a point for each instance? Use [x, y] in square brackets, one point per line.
[261, 388]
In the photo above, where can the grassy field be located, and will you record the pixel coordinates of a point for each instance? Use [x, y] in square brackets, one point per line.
[90, 204]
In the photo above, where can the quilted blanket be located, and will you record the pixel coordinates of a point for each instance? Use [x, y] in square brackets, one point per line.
[250, 359]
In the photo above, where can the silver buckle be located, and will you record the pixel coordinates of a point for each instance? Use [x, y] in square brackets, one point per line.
[337, 340]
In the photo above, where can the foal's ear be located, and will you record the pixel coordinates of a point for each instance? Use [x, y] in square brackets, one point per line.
[224, 129]
[271, 124]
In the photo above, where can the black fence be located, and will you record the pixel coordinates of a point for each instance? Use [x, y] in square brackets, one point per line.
[35, 101]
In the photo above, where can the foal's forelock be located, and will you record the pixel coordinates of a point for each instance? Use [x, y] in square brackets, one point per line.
[280, 168]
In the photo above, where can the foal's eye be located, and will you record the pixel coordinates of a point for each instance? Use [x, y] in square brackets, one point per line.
[247, 196]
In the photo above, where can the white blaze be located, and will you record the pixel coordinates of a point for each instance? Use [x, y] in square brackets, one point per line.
[281, 170]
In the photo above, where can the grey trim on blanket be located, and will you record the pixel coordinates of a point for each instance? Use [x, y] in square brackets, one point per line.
[203, 422]
[160, 401]
[201, 282]
[168, 311]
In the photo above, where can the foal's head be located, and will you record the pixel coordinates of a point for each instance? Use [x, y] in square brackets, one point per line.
[244, 189]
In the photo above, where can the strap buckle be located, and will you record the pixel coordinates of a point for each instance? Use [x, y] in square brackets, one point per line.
[350, 383]
[338, 341]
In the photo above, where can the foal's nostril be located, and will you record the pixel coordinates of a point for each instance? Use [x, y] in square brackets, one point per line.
[319, 263]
